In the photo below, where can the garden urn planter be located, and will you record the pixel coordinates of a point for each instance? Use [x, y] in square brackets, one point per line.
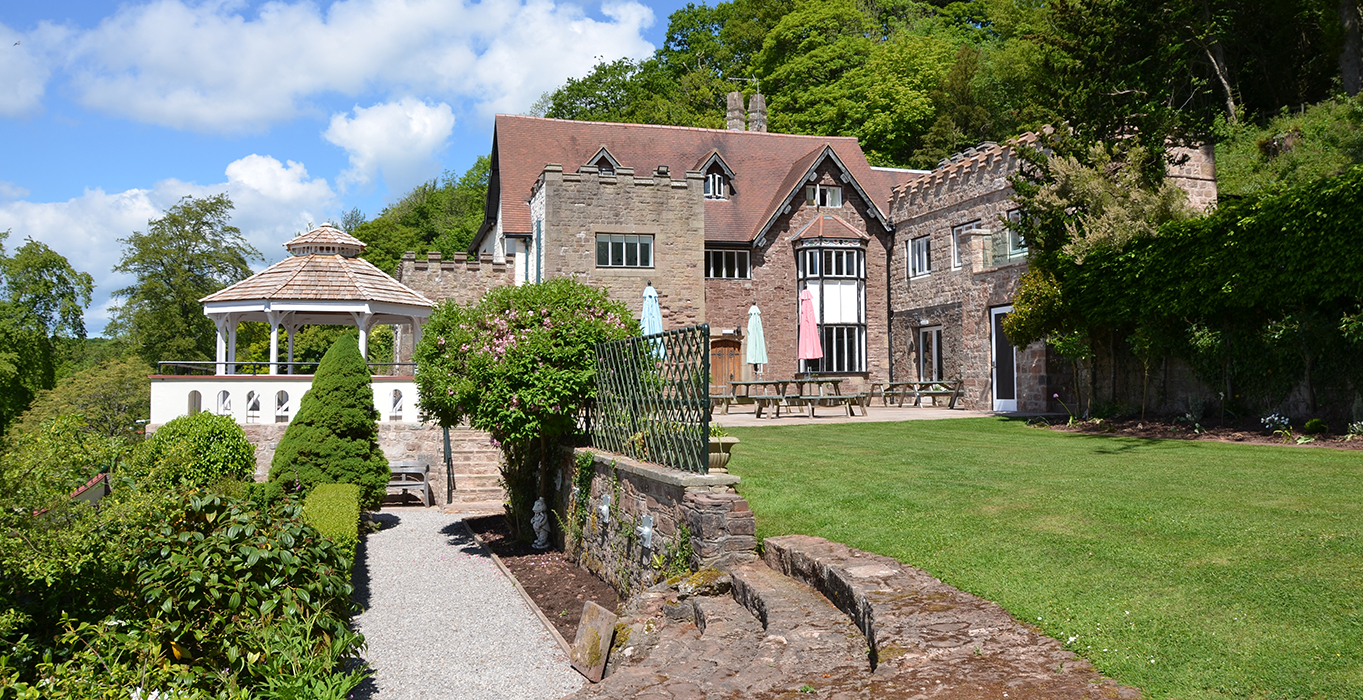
[719, 451]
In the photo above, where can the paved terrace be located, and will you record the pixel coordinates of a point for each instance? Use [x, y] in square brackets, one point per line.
[745, 416]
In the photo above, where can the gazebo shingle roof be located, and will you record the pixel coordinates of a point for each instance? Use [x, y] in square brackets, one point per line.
[321, 277]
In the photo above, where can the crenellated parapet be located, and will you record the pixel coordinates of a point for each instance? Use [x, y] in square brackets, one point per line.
[964, 176]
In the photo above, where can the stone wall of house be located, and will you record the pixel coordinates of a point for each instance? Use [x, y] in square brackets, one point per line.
[721, 524]
[972, 188]
[462, 280]
[775, 290]
[578, 206]
[1196, 174]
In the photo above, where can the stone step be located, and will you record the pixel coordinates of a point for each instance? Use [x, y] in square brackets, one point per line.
[477, 494]
[813, 632]
[923, 633]
[476, 481]
[475, 507]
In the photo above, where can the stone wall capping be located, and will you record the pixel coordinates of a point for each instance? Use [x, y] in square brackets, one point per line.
[572, 177]
[664, 475]
[624, 172]
[433, 256]
[695, 175]
[553, 168]
[409, 255]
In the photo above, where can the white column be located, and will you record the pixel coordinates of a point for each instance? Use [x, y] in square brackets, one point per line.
[231, 344]
[416, 336]
[273, 319]
[362, 322]
[221, 323]
[290, 329]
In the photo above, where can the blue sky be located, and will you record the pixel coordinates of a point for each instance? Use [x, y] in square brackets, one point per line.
[110, 112]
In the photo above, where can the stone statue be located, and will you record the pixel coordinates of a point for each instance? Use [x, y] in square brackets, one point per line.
[540, 522]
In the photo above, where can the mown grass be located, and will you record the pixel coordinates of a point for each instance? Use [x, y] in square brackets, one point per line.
[1188, 569]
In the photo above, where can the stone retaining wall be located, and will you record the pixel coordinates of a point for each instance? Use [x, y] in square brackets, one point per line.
[721, 525]
[476, 461]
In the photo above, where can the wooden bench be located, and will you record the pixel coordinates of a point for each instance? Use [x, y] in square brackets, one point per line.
[770, 402]
[848, 401]
[952, 390]
[412, 475]
[721, 401]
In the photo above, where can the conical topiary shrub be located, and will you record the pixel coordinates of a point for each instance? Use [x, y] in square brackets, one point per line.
[334, 436]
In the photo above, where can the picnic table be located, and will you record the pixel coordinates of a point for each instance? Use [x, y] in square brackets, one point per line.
[952, 389]
[809, 392]
[412, 475]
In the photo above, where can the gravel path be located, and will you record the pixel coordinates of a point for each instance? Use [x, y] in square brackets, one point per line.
[442, 621]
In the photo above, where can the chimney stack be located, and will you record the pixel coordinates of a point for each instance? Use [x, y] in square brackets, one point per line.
[734, 118]
[757, 112]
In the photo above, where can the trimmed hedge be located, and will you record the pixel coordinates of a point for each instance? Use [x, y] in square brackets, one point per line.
[195, 451]
[334, 510]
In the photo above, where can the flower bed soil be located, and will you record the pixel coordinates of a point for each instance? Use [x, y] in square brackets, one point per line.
[1166, 429]
[556, 584]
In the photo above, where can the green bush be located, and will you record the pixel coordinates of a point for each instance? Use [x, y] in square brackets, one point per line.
[334, 436]
[1315, 426]
[334, 509]
[263, 494]
[195, 451]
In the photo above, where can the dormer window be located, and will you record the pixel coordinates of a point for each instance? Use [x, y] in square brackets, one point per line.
[823, 195]
[603, 163]
[604, 167]
[715, 186]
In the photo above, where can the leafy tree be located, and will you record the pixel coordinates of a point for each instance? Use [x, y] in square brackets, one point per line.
[352, 220]
[42, 301]
[519, 364]
[187, 254]
[111, 397]
[334, 436]
[1291, 149]
[439, 215]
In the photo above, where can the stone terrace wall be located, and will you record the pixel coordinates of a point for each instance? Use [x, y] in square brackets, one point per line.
[475, 461]
[463, 281]
[722, 526]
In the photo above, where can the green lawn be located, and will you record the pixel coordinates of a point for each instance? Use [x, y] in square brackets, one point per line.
[1189, 569]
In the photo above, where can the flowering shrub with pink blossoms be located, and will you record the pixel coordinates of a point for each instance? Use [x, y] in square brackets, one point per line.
[519, 364]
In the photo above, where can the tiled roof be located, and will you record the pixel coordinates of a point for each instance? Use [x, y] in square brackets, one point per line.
[320, 278]
[764, 165]
[325, 234]
[829, 226]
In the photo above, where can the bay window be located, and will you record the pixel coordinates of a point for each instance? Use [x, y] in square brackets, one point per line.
[835, 275]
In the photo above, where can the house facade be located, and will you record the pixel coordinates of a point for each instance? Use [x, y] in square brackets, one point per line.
[716, 220]
[956, 273]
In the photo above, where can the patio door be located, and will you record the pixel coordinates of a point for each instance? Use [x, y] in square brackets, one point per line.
[1004, 362]
[726, 363]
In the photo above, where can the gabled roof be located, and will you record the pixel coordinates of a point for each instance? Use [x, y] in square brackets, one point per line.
[320, 278]
[766, 166]
[830, 226]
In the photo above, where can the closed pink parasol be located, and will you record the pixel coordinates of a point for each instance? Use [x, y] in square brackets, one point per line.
[810, 347]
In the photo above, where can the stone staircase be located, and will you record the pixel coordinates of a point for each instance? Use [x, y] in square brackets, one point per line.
[822, 620]
[476, 473]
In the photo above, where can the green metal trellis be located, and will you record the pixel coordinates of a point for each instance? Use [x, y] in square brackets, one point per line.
[653, 398]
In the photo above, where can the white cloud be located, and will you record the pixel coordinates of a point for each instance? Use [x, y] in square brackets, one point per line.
[215, 67]
[398, 139]
[25, 67]
[9, 190]
[272, 201]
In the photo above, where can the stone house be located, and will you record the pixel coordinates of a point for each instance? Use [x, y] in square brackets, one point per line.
[957, 272]
[715, 219]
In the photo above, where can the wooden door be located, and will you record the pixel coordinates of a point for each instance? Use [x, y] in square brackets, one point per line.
[726, 363]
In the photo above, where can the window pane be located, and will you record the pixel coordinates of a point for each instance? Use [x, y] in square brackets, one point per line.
[617, 250]
[603, 251]
[743, 265]
[631, 251]
[811, 194]
[834, 197]
[645, 251]
[813, 263]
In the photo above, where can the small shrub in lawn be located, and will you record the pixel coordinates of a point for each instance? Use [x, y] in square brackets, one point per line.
[334, 436]
[1315, 426]
[334, 509]
[195, 451]
[1275, 422]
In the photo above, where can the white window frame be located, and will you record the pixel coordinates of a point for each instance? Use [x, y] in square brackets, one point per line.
[844, 343]
[728, 264]
[642, 245]
[931, 359]
[715, 186]
[1016, 245]
[920, 256]
[823, 196]
[957, 238]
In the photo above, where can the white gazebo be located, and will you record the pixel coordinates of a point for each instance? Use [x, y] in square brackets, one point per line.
[322, 282]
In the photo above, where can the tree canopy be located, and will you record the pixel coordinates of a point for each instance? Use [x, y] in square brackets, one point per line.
[42, 305]
[187, 254]
[440, 215]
